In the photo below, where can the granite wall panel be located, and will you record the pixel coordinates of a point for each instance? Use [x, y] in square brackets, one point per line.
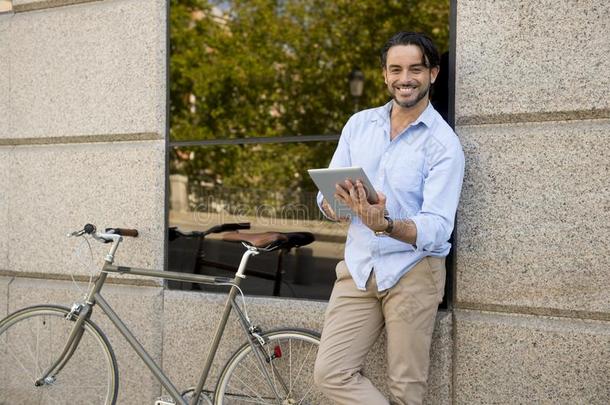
[520, 359]
[29, 5]
[5, 21]
[89, 69]
[533, 222]
[4, 203]
[4, 283]
[535, 58]
[191, 320]
[55, 189]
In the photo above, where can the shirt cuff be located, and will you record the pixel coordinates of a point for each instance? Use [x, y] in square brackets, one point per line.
[423, 238]
[319, 199]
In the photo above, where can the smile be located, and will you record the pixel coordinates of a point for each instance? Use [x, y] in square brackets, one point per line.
[406, 90]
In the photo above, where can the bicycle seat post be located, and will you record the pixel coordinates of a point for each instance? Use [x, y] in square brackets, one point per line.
[251, 251]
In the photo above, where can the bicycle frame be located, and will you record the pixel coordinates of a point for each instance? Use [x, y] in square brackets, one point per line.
[94, 297]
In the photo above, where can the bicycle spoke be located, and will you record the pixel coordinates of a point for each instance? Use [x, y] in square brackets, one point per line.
[249, 400]
[30, 342]
[37, 348]
[272, 371]
[253, 401]
[303, 364]
[279, 343]
[290, 365]
[10, 353]
[295, 364]
[29, 352]
[251, 390]
[56, 401]
[298, 361]
[305, 396]
[260, 380]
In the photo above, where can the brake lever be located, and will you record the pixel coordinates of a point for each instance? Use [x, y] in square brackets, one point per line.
[76, 233]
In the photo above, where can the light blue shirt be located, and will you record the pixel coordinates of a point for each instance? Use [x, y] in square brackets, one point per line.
[420, 172]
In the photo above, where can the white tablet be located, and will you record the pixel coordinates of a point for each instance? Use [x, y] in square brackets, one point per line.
[326, 179]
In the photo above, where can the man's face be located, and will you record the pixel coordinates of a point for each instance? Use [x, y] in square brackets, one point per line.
[406, 75]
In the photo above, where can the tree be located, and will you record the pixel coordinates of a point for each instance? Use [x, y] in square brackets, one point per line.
[252, 68]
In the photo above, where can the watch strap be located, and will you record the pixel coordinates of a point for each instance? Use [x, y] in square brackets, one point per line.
[388, 230]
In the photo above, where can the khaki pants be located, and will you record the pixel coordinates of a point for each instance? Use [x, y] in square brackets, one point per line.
[354, 320]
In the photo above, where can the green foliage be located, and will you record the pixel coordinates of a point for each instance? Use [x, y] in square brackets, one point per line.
[276, 68]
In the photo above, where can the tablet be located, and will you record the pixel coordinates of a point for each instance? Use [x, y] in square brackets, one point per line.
[326, 179]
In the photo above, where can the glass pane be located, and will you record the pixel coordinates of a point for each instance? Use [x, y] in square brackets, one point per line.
[268, 186]
[254, 68]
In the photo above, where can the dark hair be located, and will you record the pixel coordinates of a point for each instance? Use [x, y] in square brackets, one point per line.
[422, 41]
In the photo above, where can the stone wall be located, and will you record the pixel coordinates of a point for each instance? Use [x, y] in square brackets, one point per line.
[82, 139]
[532, 307]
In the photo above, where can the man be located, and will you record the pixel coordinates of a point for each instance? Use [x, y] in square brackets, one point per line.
[393, 275]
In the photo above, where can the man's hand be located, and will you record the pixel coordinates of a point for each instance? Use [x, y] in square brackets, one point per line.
[354, 196]
[330, 213]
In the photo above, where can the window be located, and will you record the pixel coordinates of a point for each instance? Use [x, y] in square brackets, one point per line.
[265, 185]
[259, 93]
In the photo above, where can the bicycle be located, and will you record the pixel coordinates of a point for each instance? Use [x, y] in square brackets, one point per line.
[54, 354]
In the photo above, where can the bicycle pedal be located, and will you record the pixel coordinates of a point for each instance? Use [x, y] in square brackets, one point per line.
[164, 401]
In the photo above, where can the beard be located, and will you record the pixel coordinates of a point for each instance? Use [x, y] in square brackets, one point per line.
[411, 103]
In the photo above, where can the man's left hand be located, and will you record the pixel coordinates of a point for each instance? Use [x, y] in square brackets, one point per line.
[354, 196]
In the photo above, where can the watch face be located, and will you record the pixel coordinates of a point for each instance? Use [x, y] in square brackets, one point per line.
[390, 227]
[388, 230]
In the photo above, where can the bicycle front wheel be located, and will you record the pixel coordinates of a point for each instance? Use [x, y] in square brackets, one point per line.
[289, 357]
[31, 341]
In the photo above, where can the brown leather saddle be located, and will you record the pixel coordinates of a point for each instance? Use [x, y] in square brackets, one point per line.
[271, 240]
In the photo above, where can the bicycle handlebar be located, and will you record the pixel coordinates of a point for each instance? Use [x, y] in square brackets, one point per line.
[174, 232]
[123, 232]
[228, 227]
[91, 229]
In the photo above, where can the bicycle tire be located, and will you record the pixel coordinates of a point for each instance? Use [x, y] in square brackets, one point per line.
[30, 341]
[243, 382]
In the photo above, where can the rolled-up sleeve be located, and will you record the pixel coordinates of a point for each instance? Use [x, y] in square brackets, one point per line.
[441, 194]
[341, 158]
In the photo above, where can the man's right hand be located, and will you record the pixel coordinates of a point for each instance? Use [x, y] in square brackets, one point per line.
[330, 213]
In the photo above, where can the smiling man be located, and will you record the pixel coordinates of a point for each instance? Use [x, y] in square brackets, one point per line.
[393, 273]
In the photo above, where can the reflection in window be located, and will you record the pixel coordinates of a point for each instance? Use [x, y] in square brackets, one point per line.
[271, 69]
[268, 186]
[280, 68]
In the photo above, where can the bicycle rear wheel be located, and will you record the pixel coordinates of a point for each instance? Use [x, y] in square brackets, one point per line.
[291, 355]
[31, 340]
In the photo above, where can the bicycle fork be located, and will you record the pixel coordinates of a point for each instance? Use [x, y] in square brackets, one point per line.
[82, 312]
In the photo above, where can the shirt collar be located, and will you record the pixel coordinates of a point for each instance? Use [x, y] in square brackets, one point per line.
[383, 115]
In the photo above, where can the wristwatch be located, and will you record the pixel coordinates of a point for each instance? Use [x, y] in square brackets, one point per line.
[388, 230]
